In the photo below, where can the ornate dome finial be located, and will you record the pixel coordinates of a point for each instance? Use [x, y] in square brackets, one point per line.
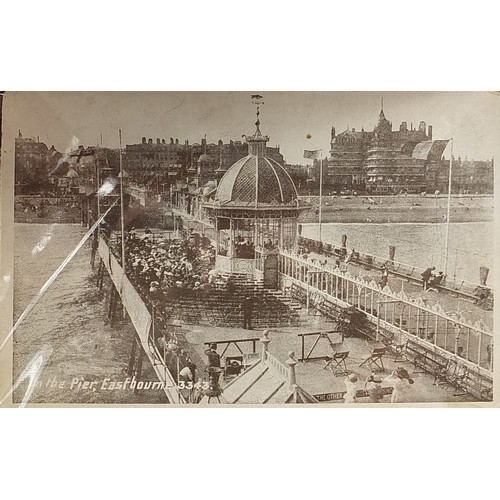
[257, 123]
[257, 141]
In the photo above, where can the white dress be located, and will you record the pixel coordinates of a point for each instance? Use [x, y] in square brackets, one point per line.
[398, 390]
[350, 396]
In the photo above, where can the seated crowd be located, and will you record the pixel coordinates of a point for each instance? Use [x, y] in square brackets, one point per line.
[157, 264]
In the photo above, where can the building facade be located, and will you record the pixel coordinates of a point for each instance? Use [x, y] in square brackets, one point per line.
[161, 163]
[384, 160]
[33, 162]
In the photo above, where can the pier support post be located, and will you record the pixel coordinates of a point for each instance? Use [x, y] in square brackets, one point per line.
[138, 371]
[100, 274]
[131, 361]
[113, 299]
[95, 243]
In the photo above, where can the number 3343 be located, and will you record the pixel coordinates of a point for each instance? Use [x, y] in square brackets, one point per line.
[190, 385]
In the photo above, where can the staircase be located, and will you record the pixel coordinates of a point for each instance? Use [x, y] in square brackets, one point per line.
[272, 308]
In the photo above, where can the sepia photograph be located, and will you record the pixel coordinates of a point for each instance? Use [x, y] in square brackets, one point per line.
[250, 248]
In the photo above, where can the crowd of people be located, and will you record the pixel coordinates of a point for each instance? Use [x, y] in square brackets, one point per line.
[157, 264]
[399, 379]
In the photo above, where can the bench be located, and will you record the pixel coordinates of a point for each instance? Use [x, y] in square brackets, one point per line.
[425, 360]
[453, 376]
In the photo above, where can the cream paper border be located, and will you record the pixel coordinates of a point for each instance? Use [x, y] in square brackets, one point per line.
[7, 275]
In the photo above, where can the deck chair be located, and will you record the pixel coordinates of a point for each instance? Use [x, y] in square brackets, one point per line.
[375, 360]
[337, 361]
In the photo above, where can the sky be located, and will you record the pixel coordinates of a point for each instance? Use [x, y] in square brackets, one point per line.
[294, 120]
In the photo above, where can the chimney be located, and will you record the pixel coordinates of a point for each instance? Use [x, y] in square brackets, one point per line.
[429, 132]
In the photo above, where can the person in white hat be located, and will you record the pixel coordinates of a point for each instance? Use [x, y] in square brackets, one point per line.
[351, 388]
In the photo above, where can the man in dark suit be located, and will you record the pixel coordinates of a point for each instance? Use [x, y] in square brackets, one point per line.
[247, 308]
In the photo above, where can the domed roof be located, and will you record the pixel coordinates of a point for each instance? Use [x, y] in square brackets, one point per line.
[256, 176]
[204, 158]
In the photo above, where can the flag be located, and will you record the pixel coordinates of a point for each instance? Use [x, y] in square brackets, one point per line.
[427, 150]
[312, 155]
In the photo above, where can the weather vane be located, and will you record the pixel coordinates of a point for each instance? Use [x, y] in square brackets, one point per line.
[257, 99]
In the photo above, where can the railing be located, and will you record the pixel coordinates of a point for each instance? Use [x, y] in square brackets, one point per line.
[329, 249]
[276, 364]
[395, 311]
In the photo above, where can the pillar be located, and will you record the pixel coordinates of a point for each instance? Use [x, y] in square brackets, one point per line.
[292, 378]
[265, 344]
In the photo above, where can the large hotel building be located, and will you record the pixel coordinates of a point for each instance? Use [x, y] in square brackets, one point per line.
[386, 160]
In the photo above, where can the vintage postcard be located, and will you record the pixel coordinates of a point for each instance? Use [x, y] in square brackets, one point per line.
[248, 248]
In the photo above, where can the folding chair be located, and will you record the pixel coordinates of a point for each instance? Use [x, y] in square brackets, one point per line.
[337, 363]
[375, 360]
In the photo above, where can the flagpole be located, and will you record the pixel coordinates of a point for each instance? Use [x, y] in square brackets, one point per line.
[448, 211]
[97, 183]
[121, 203]
[320, 192]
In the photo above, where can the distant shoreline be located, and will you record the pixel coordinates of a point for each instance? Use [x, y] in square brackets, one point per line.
[399, 209]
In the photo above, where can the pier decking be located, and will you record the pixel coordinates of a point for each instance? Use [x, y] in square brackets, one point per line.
[421, 339]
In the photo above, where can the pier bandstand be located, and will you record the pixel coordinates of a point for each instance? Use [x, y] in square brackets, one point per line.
[255, 211]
